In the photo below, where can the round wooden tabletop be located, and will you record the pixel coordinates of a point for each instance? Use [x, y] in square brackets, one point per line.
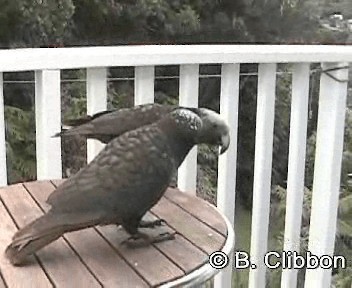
[95, 257]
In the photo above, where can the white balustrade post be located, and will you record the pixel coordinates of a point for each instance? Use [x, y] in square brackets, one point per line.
[327, 169]
[3, 170]
[143, 85]
[48, 122]
[226, 193]
[262, 171]
[296, 166]
[96, 102]
[188, 91]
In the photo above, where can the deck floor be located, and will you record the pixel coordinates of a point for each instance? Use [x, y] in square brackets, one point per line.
[94, 257]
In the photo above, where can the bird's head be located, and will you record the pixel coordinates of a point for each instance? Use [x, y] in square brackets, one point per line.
[203, 125]
[214, 130]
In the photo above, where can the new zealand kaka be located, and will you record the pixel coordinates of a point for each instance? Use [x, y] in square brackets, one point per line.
[124, 181]
[106, 125]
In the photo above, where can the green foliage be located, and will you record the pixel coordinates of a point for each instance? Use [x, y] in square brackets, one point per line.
[20, 144]
[343, 278]
[171, 18]
[328, 7]
[207, 172]
[102, 22]
[9, 15]
[346, 157]
[141, 20]
[348, 131]
[246, 132]
[33, 23]
[345, 206]
[343, 241]
[73, 92]
[310, 157]
[281, 125]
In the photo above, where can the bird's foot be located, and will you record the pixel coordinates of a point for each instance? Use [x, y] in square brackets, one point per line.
[151, 224]
[142, 240]
[163, 237]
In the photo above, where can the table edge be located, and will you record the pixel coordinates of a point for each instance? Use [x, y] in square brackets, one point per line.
[206, 271]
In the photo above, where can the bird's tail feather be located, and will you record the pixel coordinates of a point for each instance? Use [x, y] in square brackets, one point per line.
[85, 129]
[78, 121]
[75, 127]
[58, 134]
[38, 234]
[17, 252]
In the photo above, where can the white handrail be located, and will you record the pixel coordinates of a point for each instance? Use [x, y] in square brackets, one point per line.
[88, 57]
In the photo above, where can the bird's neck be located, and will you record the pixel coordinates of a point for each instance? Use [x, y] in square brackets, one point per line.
[181, 150]
[180, 143]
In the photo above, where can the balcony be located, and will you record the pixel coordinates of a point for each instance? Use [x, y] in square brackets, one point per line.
[47, 64]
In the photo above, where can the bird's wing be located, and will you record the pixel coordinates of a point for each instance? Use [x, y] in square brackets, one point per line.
[107, 125]
[126, 176]
[87, 118]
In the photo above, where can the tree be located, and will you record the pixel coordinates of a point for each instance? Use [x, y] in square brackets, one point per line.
[33, 23]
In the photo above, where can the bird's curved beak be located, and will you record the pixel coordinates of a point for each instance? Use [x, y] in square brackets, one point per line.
[225, 143]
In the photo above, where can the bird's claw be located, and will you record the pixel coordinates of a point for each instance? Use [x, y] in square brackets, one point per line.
[129, 239]
[151, 224]
[164, 236]
[147, 240]
[160, 222]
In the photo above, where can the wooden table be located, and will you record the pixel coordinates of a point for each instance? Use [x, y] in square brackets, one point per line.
[94, 257]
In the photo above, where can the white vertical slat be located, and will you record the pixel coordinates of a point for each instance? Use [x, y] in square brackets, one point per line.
[327, 169]
[96, 102]
[143, 85]
[3, 170]
[188, 91]
[48, 122]
[296, 166]
[226, 194]
[262, 171]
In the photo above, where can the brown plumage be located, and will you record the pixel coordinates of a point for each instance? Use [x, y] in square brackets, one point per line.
[124, 181]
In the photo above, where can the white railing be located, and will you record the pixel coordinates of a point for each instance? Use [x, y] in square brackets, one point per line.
[47, 64]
